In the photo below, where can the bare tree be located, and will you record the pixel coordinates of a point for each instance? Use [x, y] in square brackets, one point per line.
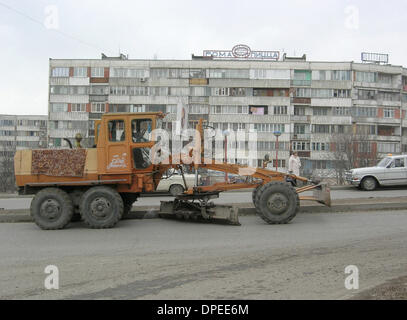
[7, 179]
[351, 150]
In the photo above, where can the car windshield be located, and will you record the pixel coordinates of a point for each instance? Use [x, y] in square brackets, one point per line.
[384, 162]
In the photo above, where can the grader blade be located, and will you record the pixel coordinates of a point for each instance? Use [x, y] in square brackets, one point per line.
[186, 210]
[322, 194]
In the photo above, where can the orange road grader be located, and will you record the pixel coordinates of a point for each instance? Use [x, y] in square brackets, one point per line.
[99, 185]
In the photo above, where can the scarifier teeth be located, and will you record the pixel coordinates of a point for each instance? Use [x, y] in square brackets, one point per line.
[218, 214]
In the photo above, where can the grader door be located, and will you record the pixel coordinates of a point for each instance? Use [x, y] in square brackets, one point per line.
[117, 151]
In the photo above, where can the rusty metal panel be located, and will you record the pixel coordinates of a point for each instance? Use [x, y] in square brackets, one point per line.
[59, 163]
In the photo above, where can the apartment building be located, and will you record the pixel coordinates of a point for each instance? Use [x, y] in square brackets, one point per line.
[307, 102]
[22, 132]
[18, 132]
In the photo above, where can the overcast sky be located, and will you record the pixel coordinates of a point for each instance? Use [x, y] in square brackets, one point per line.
[32, 31]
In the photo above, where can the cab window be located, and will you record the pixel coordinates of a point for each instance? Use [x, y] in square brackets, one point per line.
[116, 130]
[398, 163]
[141, 130]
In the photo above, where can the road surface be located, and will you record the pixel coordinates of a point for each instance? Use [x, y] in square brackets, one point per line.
[165, 259]
[232, 197]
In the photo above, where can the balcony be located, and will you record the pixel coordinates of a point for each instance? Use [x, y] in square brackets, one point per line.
[300, 136]
[301, 118]
[98, 98]
[301, 100]
[301, 83]
[304, 154]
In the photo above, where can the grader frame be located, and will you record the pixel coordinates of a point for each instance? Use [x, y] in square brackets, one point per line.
[99, 185]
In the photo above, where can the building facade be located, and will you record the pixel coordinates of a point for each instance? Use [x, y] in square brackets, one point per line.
[18, 132]
[308, 102]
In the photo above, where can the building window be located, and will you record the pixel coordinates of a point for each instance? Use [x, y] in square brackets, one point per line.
[388, 113]
[303, 92]
[229, 73]
[220, 91]
[138, 91]
[341, 111]
[99, 90]
[365, 76]
[341, 75]
[269, 127]
[78, 107]
[280, 109]
[320, 128]
[175, 91]
[388, 147]
[79, 90]
[60, 72]
[388, 96]
[368, 112]
[365, 147]
[320, 111]
[384, 78]
[238, 92]
[229, 109]
[300, 146]
[198, 109]
[98, 72]
[199, 91]
[118, 91]
[98, 107]
[299, 128]
[299, 111]
[59, 107]
[258, 110]
[320, 146]
[366, 94]
[59, 90]
[80, 72]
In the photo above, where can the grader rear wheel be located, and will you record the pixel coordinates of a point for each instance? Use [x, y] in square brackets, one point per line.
[277, 202]
[101, 207]
[51, 209]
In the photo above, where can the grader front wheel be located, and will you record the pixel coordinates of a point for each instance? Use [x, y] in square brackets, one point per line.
[51, 209]
[277, 202]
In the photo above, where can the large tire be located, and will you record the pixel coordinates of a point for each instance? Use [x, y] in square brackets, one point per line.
[101, 207]
[277, 202]
[369, 184]
[51, 209]
[254, 195]
[176, 189]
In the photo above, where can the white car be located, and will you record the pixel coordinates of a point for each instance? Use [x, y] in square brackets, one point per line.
[174, 184]
[390, 171]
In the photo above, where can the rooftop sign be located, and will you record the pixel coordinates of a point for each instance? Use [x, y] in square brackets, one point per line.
[242, 52]
[375, 57]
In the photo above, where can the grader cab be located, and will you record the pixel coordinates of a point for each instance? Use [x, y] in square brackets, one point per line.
[99, 185]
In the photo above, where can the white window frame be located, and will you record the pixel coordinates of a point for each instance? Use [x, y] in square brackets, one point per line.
[97, 72]
[60, 72]
[80, 72]
[98, 107]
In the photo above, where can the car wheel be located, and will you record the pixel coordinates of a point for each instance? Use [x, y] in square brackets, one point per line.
[176, 189]
[369, 184]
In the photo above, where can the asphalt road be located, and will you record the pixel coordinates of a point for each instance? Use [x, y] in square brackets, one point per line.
[166, 259]
[232, 197]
